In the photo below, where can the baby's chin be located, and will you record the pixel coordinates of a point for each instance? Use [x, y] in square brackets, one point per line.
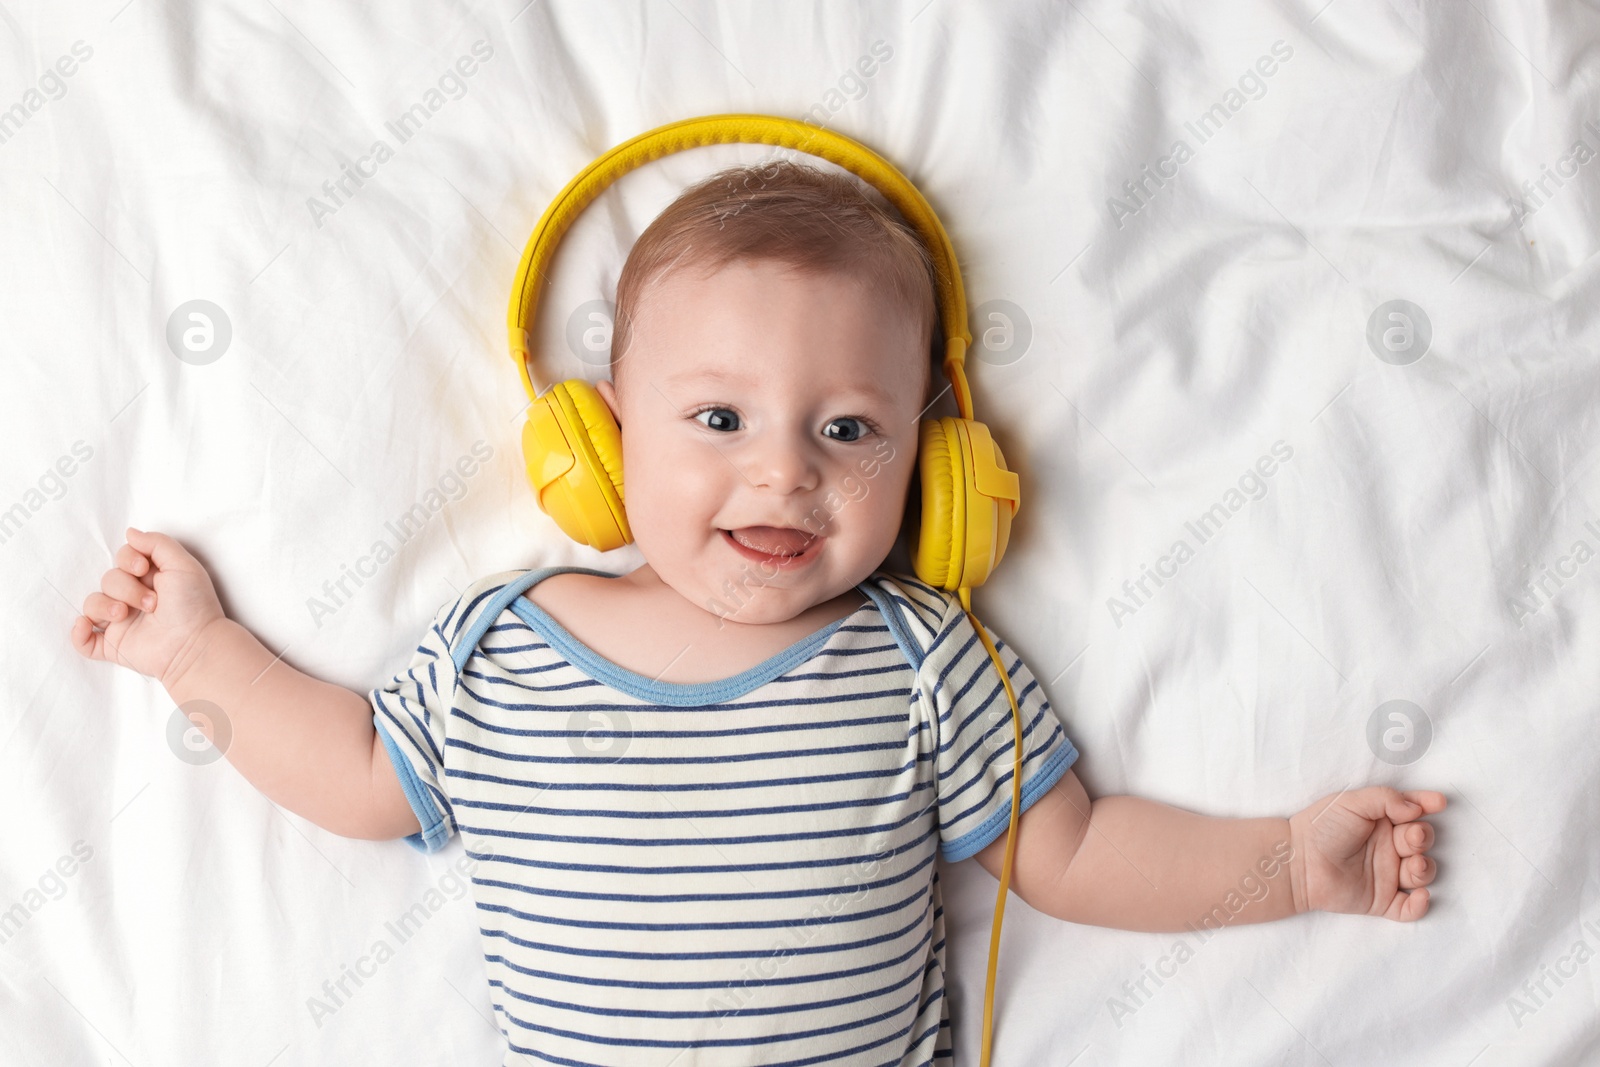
[745, 595]
[763, 606]
[758, 604]
[750, 617]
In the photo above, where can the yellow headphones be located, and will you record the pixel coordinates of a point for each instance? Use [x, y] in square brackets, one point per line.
[573, 447]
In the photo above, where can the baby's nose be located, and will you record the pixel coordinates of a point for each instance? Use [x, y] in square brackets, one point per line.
[783, 467]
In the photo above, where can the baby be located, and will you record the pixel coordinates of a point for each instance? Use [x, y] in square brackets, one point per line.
[701, 802]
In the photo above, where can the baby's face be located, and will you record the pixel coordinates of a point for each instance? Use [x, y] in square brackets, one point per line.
[761, 397]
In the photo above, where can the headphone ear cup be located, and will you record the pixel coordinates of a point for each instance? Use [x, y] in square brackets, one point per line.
[936, 543]
[600, 430]
[573, 450]
[1004, 512]
[963, 531]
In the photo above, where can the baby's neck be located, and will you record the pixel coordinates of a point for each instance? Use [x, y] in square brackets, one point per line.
[643, 625]
[664, 602]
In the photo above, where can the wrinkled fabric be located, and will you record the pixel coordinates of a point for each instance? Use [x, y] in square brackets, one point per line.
[1274, 541]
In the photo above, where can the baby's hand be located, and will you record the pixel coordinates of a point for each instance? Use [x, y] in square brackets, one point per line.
[151, 608]
[1356, 850]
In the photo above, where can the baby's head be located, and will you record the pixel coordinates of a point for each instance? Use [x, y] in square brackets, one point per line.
[772, 356]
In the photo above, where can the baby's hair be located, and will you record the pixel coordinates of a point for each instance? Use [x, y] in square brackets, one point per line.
[811, 220]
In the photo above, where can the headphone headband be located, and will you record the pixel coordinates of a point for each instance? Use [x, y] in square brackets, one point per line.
[748, 129]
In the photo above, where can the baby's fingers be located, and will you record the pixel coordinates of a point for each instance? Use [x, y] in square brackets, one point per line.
[1413, 838]
[1431, 801]
[119, 585]
[90, 642]
[102, 610]
[1417, 872]
[164, 551]
[85, 638]
[135, 563]
[1408, 907]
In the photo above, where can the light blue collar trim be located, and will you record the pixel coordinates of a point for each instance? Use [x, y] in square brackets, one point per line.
[672, 694]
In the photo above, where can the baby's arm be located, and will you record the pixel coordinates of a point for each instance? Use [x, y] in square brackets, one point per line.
[1135, 864]
[310, 746]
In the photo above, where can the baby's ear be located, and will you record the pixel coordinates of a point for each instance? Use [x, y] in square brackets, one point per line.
[608, 393]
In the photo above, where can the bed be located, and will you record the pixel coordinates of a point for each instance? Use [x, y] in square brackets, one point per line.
[1285, 316]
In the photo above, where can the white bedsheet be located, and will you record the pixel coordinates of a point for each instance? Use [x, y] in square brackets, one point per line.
[1416, 540]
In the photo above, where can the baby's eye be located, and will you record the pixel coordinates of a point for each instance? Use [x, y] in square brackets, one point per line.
[855, 428]
[727, 419]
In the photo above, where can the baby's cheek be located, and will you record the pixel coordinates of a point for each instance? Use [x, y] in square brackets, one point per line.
[897, 458]
[674, 487]
[887, 471]
[882, 499]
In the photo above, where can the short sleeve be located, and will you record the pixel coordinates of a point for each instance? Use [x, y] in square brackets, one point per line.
[976, 755]
[411, 713]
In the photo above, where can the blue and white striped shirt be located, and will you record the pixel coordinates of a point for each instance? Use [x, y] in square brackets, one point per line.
[719, 873]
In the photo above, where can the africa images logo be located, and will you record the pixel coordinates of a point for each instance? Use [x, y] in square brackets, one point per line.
[451, 85]
[1252, 85]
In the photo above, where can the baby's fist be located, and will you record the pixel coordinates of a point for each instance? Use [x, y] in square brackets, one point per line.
[151, 609]
[1360, 850]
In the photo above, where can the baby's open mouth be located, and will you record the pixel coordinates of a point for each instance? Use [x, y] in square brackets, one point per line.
[772, 540]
